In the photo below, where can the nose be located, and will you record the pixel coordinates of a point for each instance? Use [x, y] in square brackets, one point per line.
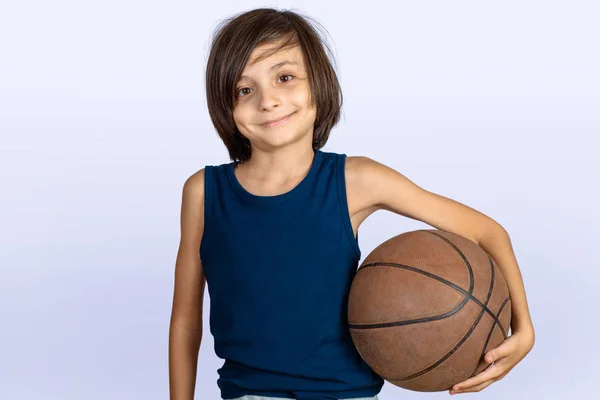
[269, 98]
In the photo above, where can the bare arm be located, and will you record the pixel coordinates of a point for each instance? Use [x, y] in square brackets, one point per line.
[389, 190]
[185, 330]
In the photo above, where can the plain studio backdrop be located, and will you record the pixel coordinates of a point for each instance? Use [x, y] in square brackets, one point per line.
[103, 116]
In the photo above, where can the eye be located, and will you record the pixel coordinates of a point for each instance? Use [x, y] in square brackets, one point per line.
[238, 92]
[281, 76]
[287, 75]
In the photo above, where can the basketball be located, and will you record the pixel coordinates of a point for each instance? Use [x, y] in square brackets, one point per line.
[424, 308]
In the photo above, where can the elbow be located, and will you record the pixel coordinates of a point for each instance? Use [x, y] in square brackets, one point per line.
[493, 231]
[490, 230]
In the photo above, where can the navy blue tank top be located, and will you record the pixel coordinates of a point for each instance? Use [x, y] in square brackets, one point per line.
[278, 271]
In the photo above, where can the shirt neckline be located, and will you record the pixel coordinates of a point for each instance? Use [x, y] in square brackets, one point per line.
[236, 185]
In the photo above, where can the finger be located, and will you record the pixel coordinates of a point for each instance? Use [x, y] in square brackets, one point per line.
[503, 350]
[495, 355]
[489, 373]
[476, 388]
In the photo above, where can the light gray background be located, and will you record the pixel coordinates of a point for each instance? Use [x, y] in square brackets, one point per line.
[103, 117]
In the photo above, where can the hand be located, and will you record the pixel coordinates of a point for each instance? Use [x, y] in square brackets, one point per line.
[502, 359]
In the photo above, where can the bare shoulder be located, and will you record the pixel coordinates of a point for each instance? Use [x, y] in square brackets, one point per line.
[192, 209]
[371, 183]
[358, 166]
[355, 168]
[360, 197]
[362, 164]
[371, 178]
[381, 187]
[194, 185]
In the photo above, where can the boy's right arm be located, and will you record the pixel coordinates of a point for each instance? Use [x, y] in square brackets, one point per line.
[185, 330]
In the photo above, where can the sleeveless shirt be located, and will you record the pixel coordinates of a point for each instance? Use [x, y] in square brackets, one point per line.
[278, 271]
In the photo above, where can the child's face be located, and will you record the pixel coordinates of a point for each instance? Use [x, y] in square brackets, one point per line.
[265, 95]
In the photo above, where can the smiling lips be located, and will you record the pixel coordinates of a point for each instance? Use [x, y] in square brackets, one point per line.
[278, 122]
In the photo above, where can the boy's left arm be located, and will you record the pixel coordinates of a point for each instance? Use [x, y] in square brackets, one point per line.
[389, 190]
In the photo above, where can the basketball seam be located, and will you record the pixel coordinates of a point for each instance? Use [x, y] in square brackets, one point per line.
[433, 276]
[468, 295]
[494, 322]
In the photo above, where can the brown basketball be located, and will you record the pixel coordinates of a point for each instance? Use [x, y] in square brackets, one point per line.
[425, 307]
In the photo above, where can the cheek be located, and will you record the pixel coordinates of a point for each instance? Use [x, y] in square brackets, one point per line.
[240, 115]
[300, 98]
[306, 93]
[307, 98]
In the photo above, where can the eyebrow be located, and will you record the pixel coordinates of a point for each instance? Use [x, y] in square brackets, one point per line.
[278, 65]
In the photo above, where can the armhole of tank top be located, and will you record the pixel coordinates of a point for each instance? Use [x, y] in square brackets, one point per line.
[343, 202]
[206, 206]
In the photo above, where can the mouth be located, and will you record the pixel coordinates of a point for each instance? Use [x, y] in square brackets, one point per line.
[279, 121]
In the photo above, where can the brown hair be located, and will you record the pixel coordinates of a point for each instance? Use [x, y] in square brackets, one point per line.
[232, 44]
